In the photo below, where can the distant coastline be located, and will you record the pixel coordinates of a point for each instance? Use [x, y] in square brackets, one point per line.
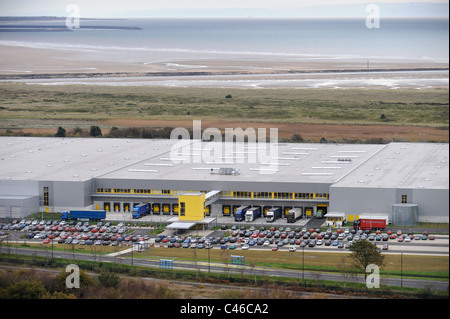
[33, 24]
[83, 75]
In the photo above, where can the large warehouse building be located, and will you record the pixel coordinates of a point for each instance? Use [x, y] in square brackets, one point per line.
[406, 181]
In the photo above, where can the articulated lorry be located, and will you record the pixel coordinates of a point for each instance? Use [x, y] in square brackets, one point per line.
[84, 214]
[294, 214]
[140, 210]
[239, 215]
[273, 214]
[252, 214]
[369, 223]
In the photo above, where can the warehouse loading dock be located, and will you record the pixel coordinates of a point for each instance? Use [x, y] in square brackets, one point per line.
[83, 172]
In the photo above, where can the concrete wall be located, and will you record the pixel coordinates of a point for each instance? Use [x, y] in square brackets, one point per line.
[16, 207]
[433, 204]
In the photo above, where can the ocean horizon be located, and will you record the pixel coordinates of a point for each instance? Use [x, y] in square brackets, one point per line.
[165, 40]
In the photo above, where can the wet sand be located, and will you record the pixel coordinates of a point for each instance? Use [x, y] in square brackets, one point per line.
[19, 62]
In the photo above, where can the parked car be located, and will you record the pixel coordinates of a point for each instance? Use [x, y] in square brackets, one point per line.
[292, 248]
[385, 247]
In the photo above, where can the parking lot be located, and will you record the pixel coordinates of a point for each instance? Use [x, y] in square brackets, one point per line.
[72, 233]
[242, 237]
[293, 239]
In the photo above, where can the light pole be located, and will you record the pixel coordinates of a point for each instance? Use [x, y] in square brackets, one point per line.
[401, 269]
[209, 264]
[303, 265]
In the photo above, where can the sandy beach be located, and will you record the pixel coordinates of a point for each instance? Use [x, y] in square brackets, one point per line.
[26, 63]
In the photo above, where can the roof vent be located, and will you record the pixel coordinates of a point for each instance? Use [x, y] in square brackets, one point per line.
[226, 171]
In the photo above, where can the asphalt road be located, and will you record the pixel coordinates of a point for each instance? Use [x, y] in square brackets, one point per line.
[228, 268]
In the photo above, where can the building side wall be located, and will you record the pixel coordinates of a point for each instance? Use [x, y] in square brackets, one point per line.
[355, 201]
[433, 205]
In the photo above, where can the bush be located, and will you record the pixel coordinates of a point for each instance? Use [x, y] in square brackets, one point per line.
[61, 132]
[109, 279]
[95, 131]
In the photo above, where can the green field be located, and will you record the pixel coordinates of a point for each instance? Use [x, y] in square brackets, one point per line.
[50, 105]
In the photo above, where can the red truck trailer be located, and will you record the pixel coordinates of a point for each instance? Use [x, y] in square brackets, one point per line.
[369, 223]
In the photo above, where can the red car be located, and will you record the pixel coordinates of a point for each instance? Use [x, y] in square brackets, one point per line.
[46, 241]
[94, 230]
[389, 232]
[393, 236]
[275, 248]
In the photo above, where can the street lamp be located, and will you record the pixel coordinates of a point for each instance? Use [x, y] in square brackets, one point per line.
[303, 264]
[401, 269]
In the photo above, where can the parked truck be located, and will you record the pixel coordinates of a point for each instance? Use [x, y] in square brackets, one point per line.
[239, 215]
[273, 214]
[84, 214]
[319, 213]
[369, 223]
[294, 214]
[252, 214]
[140, 210]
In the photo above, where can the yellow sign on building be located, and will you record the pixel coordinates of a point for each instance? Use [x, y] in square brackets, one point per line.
[191, 206]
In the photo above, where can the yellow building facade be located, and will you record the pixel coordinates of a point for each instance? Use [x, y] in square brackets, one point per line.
[191, 206]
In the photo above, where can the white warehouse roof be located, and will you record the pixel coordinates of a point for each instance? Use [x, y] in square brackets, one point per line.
[343, 165]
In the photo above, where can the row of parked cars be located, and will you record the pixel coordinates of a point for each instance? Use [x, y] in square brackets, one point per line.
[75, 233]
[277, 238]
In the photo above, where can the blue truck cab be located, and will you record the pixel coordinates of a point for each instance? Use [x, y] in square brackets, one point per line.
[140, 210]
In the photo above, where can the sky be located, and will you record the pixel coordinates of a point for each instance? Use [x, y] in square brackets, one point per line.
[221, 8]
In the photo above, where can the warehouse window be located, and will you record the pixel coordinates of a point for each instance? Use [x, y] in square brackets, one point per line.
[404, 199]
[182, 209]
[46, 201]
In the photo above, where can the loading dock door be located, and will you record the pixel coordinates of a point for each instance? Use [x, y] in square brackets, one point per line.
[175, 209]
[226, 210]
[2, 212]
[166, 209]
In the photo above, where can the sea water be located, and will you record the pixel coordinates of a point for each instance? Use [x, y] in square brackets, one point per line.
[176, 43]
[286, 39]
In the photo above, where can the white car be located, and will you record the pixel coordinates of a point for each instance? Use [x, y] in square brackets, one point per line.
[292, 248]
[407, 239]
[245, 247]
[266, 243]
[319, 242]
